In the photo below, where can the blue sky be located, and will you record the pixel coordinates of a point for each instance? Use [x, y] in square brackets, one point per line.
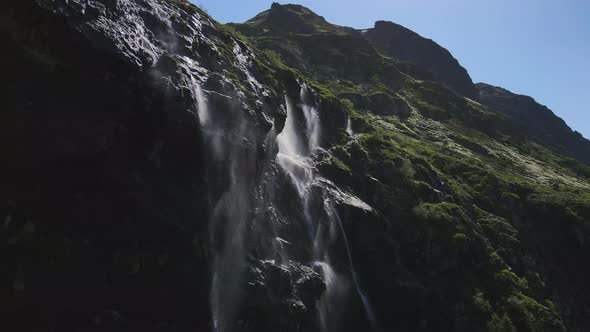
[540, 48]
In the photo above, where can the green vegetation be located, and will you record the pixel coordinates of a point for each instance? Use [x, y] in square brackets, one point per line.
[477, 214]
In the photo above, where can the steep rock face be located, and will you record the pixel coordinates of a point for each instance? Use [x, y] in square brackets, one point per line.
[538, 122]
[108, 178]
[142, 191]
[406, 45]
[161, 174]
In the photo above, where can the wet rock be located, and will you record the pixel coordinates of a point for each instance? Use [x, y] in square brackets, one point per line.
[111, 155]
[281, 296]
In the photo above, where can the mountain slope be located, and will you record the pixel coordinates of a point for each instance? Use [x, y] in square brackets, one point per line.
[538, 122]
[422, 155]
[164, 172]
[407, 45]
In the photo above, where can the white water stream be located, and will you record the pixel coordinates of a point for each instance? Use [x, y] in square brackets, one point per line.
[297, 144]
[202, 108]
[349, 127]
[296, 159]
[228, 219]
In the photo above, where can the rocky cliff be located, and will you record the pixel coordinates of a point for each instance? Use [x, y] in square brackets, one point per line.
[164, 172]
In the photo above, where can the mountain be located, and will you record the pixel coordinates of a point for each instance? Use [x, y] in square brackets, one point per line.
[164, 172]
[538, 122]
[390, 38]
[290, 18]
[406, 45]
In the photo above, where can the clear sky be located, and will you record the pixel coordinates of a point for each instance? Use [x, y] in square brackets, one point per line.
[540, 48]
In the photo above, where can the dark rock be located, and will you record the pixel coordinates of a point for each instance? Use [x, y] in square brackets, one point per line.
[103, 151]
[281, 296]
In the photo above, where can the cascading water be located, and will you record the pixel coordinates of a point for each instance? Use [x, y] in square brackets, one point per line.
[202, 108]
[296, 158]
[349, 127]
[229, 215]
[333, 214]
[293, 157]
[312, 120]
[232, 210]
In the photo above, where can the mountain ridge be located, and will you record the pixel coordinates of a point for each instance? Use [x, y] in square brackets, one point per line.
[382, 35]
[432, 62]
[538, 120]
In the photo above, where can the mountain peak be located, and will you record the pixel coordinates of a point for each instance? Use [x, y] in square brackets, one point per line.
[406, 45]
[292, 7]
[383, 24]
[290, 18]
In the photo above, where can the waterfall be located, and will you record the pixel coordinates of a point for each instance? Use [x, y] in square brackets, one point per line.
[229, 216]
[312, 119]
[202, 107]
[296, 159]
[297, 144]
[349, 127]
[363, 297]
